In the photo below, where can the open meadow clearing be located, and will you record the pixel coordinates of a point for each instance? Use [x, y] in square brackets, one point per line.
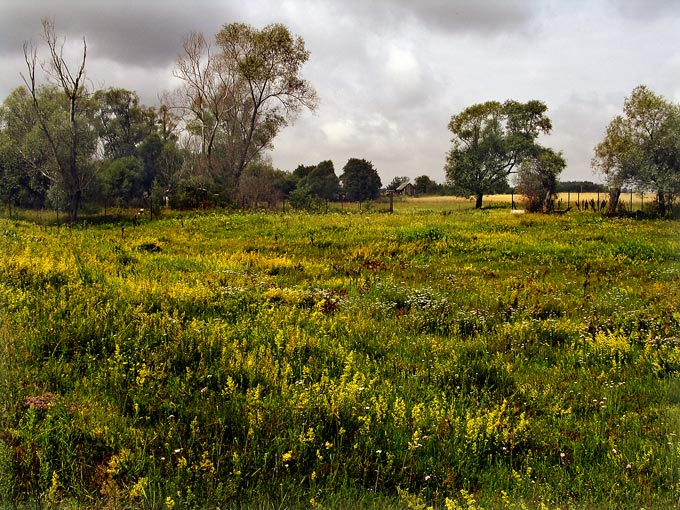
[435, 357]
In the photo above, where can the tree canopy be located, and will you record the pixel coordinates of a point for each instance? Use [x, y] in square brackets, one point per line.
[360, 180]
[537, 179]
[642, 148]
[489, 141]
[424, 185]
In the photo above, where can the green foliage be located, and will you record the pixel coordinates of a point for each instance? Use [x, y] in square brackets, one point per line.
[490, 140]
[122, 121]
[322, 181]
[360, 180]
[426, 186]
[467, 360]
[66, 146]
[537, 179]
[641, 148]
[34, 175]
[579, 186]
[122, 180]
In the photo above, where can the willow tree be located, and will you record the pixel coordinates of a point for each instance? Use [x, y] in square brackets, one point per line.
[642, 148]
[490, 140]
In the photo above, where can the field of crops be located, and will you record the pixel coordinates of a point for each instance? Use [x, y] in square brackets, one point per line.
[438, 357]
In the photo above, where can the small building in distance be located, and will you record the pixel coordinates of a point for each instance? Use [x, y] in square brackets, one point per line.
[406, 188]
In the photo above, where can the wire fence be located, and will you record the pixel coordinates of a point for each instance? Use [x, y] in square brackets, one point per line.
[628, 201]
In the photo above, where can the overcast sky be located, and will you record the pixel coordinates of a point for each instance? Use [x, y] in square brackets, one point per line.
[391, 73]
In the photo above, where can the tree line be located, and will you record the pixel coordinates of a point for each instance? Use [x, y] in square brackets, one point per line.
[63, 145]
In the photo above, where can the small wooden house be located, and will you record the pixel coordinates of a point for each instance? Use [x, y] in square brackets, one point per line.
[407, 189]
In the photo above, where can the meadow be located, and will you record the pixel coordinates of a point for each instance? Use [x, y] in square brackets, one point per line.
[438, 357]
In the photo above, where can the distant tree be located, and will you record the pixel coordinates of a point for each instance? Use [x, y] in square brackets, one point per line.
[167, 123]
[65, 121]
[321, 181]
[124, 123]
[284, 182]
[19, 184]
[642, 148]
[303, 171]
[170, 168]
[426, 186]
[269, 62]
[396, 182]
[579, 186]
[301, 198]
[537, 179]
[490, 140]
[121, 180]
[360, 180]
[22, 153]
[314, 185]
[258, 184]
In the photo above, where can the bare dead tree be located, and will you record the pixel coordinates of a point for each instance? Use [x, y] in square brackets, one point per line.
[71, 82]
[207, 91]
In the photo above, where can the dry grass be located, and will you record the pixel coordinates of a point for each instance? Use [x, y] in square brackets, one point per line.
[489, 200]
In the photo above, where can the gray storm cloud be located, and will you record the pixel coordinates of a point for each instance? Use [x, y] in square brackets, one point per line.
[390, 73]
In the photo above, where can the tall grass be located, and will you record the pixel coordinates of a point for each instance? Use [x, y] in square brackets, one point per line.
[428, 358]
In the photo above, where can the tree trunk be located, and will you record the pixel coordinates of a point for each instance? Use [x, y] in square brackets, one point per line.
[478, 201]
[614, 195]
[73, 205]
[661, 202]
[548, 202]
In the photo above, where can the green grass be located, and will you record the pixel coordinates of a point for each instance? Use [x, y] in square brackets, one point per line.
[435, 357]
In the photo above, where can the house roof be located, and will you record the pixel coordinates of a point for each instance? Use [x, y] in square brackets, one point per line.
[403, 186]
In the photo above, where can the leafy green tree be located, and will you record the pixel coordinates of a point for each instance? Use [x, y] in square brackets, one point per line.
[269, 62]
[22, 153]
[303, 171]
[16, 186]
[285, 182]
[642, 148]
[426, 186]
[163, 162]
[171, 168]
[321, 181]
[579, 186]
[489, 141]
[537, 179]
[123, 122]
[360, 180]
[302, 198]
[121, 180]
